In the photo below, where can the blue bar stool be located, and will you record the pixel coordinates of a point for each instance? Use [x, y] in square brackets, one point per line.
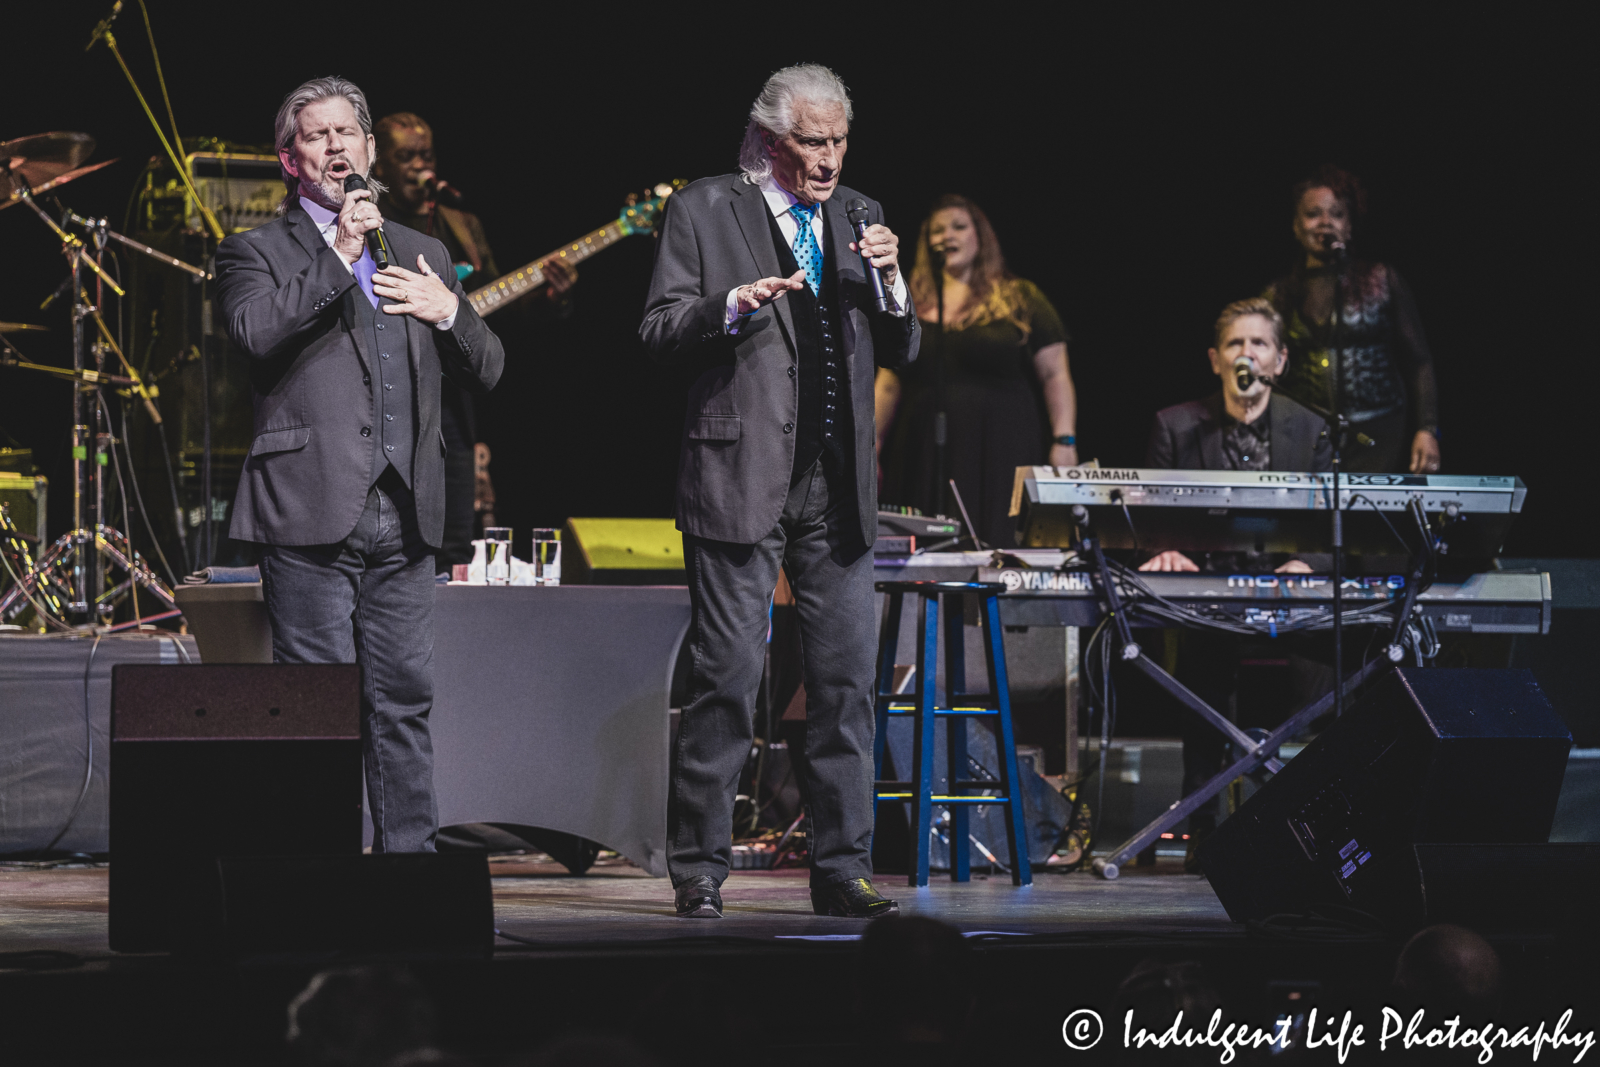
[925, 710]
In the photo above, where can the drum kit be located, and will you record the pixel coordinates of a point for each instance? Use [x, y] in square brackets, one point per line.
[73, 583]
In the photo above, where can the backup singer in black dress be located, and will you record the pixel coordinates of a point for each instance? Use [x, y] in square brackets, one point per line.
[1389, 392]
[1001, 364]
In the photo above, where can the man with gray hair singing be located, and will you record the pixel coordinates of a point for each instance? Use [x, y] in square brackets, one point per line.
[763, 296]
[343, 487]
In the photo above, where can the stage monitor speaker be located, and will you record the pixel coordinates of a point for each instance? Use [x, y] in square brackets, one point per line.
[224, 760]
[1427, 756]
[622, 552]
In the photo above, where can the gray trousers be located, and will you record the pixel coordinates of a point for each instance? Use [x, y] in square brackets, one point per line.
[369, 600]
[817, 541]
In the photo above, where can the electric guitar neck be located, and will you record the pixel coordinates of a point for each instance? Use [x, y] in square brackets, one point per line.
[639, 215]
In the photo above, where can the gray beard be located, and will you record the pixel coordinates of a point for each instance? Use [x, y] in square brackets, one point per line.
[330, 193]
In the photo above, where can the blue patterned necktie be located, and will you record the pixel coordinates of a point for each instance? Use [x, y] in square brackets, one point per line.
[806, 252]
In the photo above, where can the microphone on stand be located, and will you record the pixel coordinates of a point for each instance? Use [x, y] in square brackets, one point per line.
[1244, 373]
[377, 243]
[856, 212]
[442, 192]
[1337, 249]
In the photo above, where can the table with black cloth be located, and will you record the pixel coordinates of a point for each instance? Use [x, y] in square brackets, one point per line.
[551, 710]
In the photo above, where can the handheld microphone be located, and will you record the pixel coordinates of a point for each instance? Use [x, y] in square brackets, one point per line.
[105, 26]
[1337, 249]
[377, 243]
[856, 212]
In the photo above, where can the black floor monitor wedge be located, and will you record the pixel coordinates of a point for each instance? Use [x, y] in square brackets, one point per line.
[1427, 756]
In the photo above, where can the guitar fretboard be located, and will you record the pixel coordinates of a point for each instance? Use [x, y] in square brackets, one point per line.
[504, 290]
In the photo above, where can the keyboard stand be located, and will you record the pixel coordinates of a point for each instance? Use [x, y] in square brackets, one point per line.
[1258, 757]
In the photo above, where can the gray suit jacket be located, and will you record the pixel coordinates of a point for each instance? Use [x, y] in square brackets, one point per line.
[286, 299]
[1189, 437]
[737, 455]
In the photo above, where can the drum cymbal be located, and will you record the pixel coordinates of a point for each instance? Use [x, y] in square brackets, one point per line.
[18, 327]
[12, 194]
[45, 155]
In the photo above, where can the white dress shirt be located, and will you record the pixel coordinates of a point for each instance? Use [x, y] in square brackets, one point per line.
[328, 225]
[779, 201]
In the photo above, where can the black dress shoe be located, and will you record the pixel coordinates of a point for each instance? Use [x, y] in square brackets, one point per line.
[855, 899]
[699, 898]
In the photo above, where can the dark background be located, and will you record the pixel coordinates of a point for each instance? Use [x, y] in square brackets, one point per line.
[1137, 170]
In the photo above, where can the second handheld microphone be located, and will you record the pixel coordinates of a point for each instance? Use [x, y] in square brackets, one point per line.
[377, 243]
[856, 212]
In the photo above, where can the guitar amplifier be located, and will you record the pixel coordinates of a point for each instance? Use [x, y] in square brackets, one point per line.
[25, 497]
[242, 190]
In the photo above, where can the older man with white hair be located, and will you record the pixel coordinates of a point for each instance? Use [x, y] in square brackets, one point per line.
[343, 487]
[761, 293]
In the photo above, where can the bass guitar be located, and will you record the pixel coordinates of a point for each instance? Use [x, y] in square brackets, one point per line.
[638, 215]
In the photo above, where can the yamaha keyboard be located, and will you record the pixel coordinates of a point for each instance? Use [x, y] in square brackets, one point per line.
[1048, 588]
[1494, 602]
[1263, 511]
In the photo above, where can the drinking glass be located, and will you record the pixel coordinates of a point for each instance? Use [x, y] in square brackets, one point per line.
[547, 557]
[497, 555]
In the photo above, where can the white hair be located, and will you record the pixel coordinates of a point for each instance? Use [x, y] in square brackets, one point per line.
[773, 111]
[287, 124]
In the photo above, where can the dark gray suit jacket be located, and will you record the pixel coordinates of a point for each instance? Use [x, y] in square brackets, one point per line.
[1189, 437]
[736, 457]
[286, 299]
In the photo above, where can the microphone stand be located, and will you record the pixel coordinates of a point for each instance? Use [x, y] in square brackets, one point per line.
[941, 429]
[1336, 424]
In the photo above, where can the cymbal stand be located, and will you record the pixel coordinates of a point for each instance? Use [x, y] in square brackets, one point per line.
[75, 565]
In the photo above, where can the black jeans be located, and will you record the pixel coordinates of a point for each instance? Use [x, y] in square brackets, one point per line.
[369, 600]
[817, 541]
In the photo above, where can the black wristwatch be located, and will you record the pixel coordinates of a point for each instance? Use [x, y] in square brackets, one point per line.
[1067, 439]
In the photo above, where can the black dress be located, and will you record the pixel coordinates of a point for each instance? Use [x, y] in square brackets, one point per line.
[1389, 391]
[995, 413]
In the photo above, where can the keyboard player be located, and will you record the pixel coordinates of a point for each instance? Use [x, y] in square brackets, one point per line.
[1245, 427]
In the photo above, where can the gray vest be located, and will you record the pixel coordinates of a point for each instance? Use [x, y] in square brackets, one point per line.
[393, 398]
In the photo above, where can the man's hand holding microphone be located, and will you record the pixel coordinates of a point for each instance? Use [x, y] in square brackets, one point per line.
[421, 294]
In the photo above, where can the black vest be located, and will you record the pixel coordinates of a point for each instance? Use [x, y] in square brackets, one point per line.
[823, 426]
[394, 436]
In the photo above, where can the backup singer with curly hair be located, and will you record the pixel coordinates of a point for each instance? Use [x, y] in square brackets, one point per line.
[1388, 389]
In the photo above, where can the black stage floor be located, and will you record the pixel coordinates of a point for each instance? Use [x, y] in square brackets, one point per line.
[770, 979]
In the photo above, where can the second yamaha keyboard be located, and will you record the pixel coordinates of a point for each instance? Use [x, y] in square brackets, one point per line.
[1043, 592]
